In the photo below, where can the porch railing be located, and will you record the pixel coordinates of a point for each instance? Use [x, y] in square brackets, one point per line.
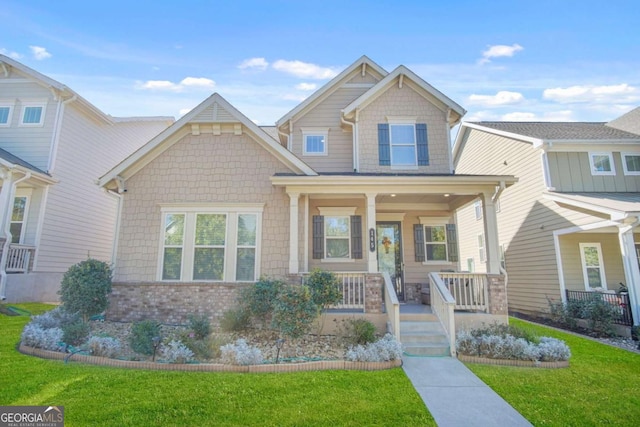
[619, 303]
[392, 305]
[442, 305]
[19, 258]
[352, 286]
[469, 290]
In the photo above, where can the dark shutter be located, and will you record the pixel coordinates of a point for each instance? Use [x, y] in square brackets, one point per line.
[356, 237]
[318, 237]
[384, 153]
[452, 242]
[421, 141]
[418, 240]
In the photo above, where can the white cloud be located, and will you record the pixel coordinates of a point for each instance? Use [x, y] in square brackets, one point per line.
[304, 69]
[499, 50]
[184, 111]
[187, 82]
[306, 86]
[39, 52]
[293, 97]
[547, 116]
[590, 93]
[10, 54]
[503, 97]
[254, 63]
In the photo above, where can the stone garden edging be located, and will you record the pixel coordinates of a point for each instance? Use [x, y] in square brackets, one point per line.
[321, 365]
[509, 362]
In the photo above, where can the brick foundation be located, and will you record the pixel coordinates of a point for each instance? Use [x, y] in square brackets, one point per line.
[373, 293]
[497, 294]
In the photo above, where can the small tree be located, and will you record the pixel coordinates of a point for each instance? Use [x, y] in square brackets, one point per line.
[85, 288]
[325, 292]
[294, 311]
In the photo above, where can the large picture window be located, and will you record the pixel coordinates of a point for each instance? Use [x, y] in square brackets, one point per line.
[211, 244]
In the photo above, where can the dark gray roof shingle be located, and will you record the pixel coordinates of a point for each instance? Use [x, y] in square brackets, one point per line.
[561, 130]
[18, 161]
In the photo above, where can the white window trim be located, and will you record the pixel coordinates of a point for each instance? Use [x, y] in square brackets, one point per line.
[471, 262]
[435, 221]
[339, 211]
[25, 105]
[602, 173]
[482, 249]
[624, 163]
[11, 105]
[477, 208]
[231, 210]
[26, 195]
[402, 121]
[585, 275]
[324, 132]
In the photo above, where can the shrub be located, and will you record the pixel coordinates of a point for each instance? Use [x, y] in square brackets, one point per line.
[552, 350]
[600, 315]
[75, 333]
[56, 318]
[48, 339]
[104, 346]
[503, 330]
[357, 331]
[200, 325]
[85, 288]
[240, 353]
[294, 311]
[324, 287]
[176, 352]
[259, 299]
[142, 334]
[235, 320]
[385, 349]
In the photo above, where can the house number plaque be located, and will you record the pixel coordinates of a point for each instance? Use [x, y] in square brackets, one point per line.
[372, 240]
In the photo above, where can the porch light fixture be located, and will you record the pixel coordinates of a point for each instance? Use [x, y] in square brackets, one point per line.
[392, 195]
[446, 195]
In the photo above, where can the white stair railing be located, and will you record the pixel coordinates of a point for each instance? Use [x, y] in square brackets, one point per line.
[392, 305]
[442, 305]
[469, 290]
[18, 258]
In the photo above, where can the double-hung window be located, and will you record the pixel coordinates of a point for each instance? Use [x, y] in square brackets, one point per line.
[435, 241]
[211, 243]
[602, 164]
[402, 143]
[477, 208]
[19, 218]
[631, 163]
[6, 110]
[337, 234]
[481, 248]
[592, 266]
[315, 141]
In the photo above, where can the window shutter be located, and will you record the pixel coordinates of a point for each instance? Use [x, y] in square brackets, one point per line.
[421, 142]
[452, 242]
[418, 240]
[384, 153]
[356, 237]
[318, 237]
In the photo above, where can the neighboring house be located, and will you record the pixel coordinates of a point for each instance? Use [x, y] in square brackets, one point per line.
[358, 180]
[571, 222]
[53, 145]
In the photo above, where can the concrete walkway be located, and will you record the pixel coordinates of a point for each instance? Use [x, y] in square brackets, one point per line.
[456, 397]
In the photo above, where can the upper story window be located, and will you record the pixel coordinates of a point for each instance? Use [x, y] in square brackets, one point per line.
[602, 164]
[477, 208]
[402, 143]
[631, 163]
[32, 114]
[200, 244]
[6, 110]
[315, 141]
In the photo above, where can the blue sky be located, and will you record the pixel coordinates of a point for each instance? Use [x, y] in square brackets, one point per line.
[500, 60]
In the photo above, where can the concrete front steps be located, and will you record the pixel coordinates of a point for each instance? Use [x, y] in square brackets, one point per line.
[422, 335]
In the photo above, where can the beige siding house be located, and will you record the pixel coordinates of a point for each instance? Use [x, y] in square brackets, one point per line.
[53, 144]
[570, 224]
[357, 179]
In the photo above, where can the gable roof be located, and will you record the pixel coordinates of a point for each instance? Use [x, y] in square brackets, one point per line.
[11, 161]
[329, 87]
[629, 122]
[562, 131]
[402, 72]
[214, 109]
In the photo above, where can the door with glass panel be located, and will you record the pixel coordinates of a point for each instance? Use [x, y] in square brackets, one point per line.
[390, 254]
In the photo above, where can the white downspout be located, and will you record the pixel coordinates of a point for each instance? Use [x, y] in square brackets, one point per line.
[625, 236]
[53, 154]
[114, 248]
[353, 137]
[6, 231]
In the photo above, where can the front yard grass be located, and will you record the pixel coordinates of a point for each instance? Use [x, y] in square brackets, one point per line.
[600, 387]
[102, 396]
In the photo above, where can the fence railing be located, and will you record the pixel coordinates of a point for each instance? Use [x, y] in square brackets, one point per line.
[469, 290]
[442, 305]
[19, 258]
[619, 302]
[392, 305]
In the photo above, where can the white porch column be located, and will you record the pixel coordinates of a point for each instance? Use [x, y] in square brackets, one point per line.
[372, 264]
[491, 233]
[293, 232]
[631, 269]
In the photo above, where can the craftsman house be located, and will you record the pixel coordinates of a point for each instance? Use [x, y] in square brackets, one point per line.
[53, 142]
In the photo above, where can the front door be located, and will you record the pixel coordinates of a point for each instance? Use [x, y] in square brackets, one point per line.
[390, 254]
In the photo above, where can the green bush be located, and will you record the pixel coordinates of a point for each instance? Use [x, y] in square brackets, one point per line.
[85, 288]
[75, 333]
[294, 311]
[259, 299]
[600, 315]
[357, 331]
[235, 320]
[142, 334]
[200, 325]
[324, 287]
[502, 330]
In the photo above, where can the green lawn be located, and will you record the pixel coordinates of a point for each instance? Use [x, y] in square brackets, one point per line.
[101, 396]
[601, 387]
